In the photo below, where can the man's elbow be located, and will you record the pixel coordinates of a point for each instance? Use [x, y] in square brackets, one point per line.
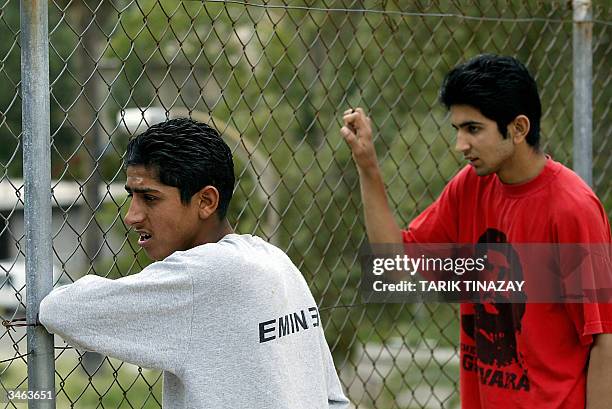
[51, 315]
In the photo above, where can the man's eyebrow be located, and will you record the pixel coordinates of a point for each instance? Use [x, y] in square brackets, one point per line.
[140, 189]
[466, 123]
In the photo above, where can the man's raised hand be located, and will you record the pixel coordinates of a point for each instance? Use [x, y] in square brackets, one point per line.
[357, 132]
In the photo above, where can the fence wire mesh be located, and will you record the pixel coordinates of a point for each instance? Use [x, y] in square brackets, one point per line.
[273, 77]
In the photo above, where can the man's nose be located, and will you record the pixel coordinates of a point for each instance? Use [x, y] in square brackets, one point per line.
[134, 214]
[461, 145]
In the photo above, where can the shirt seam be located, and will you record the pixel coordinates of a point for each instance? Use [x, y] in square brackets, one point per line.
[596, 325]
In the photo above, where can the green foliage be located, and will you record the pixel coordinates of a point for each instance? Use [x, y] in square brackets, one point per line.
[10, 103]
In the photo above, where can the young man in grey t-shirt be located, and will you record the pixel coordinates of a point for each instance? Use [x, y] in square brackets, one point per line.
[228, 318]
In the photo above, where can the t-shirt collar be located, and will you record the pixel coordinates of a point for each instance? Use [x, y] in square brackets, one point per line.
[550, 171]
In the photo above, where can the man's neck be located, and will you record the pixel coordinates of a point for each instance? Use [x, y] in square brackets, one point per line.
[216, 230]
[222, 230]
[526, 164]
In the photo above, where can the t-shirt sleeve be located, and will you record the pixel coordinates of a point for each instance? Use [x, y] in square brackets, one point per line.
[143, 319]
[587, 227]
[439, 223]
[335, 395]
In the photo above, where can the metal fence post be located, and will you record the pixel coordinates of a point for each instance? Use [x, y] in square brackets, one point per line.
[583, 75]
[37, 180]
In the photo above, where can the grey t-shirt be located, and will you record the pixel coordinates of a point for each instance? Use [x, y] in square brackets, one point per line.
[232, 324]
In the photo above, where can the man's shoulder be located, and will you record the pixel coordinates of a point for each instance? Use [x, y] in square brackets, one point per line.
[576, 209]
[571, 193]
[235, 247]
[233, 253]
[229, 244]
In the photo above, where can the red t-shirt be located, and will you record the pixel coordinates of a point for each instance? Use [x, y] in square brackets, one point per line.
[521, 355]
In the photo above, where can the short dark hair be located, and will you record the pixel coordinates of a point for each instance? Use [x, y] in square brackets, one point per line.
[500, 87]
[188, 155]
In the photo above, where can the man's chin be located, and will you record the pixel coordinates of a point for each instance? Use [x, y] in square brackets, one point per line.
[155, 256]
[482, 171]
[161, 255]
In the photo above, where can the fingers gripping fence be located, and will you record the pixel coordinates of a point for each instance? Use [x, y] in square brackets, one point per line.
[273, 77]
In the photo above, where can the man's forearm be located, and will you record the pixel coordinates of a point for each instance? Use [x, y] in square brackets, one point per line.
[599, 378]
[143, 319]
[380, 223]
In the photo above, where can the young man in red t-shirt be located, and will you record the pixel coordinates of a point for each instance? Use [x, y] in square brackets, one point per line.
[512, 355]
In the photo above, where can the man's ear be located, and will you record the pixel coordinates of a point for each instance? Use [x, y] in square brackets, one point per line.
[519, 128]
[208, 201]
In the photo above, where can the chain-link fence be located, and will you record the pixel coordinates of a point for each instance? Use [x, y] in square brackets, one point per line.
[273, 77]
